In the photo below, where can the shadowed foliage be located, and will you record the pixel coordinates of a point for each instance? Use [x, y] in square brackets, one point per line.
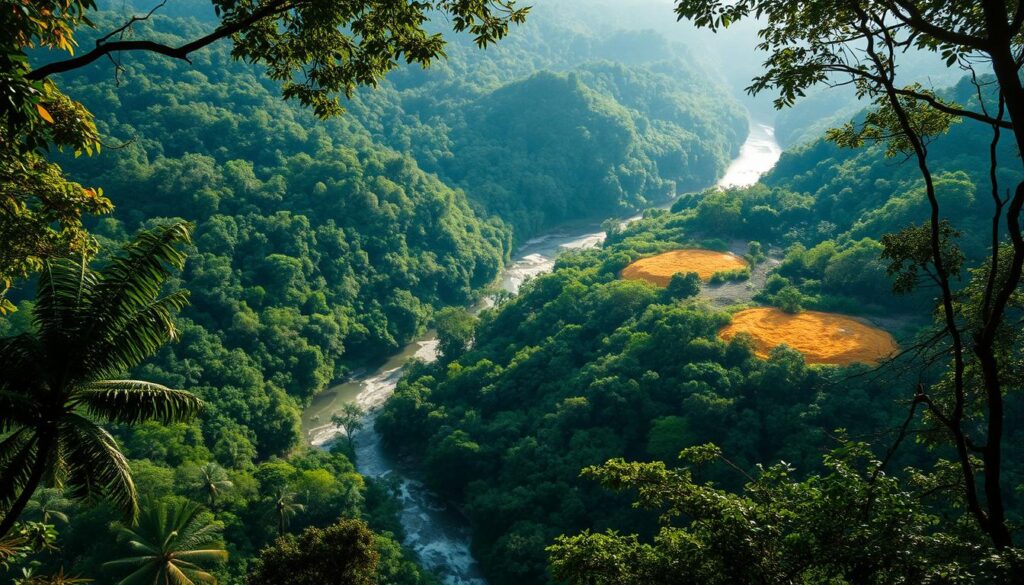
[61, 379]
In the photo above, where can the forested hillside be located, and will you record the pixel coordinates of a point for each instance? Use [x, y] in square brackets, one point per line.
[615, 122]
[584, 368]
[317, 248]
[829, 207]
[228, 228]
[321, 246]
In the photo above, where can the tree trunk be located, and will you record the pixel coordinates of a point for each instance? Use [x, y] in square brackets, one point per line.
[34, 478]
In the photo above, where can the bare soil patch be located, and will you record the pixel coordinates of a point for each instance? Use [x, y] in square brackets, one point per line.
[823, 338]
[659, 269]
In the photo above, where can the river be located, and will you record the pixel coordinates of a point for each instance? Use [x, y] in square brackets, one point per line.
[433, 531]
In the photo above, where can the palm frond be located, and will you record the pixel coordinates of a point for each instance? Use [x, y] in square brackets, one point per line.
[144, 575]
[135, 401]
[197, 576]
[203, 555]
[57, 472]
[12, 444]
[97, 468]
[175, 576]
[137, 337]
[17, 410]
[131, 562]
[61, 291]
[181, 541]
[135, 276]
[198, 534]
[20, 456]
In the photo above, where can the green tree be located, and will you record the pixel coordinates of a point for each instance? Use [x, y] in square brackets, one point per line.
[683, 286]
[59, 379]
[173, 542]
[790, 300]
[285, 506]
[351, 419]
[211, 481]
[852, 524]
[455, 327]
[344, 553]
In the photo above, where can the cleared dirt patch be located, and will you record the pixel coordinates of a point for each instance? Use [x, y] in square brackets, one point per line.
[823, 338]
[659, 269]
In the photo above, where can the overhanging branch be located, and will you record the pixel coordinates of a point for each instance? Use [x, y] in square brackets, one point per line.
[182, 52]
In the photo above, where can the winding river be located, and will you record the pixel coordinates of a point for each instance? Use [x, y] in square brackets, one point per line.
[433, 531]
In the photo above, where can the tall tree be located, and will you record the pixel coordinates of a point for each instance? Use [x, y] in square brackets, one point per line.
[285, 506]
[212, 481]
[316, 50]
[60, 380]
[350, 419]
[862, 43]
[173, 542]
[455, 327]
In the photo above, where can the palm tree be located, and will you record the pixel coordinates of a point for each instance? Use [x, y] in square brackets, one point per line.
[212, 481]
[172, 543]
[50, 504]
[60, 380]
[285, 506]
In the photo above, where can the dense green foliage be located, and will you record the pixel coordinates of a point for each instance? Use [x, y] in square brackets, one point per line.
[316, 53]
[851, 524]
[616, 120]
[343, 553]
[582, 368]
[322, 245]
[318, 250]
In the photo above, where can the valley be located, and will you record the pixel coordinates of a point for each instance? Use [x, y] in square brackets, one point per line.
[437, 533]
[573, 292]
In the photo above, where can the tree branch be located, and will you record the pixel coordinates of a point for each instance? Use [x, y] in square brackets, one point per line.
[909, 14]
[924, 97]
[129, 24]
[182, 52]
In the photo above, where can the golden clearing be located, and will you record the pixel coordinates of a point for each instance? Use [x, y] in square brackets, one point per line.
[659, 269]
[823, 338]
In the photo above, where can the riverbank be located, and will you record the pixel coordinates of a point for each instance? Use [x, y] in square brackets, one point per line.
[438, 535]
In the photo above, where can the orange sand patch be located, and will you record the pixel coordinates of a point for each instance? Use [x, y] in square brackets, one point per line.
[823, 338]
[659, 269]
